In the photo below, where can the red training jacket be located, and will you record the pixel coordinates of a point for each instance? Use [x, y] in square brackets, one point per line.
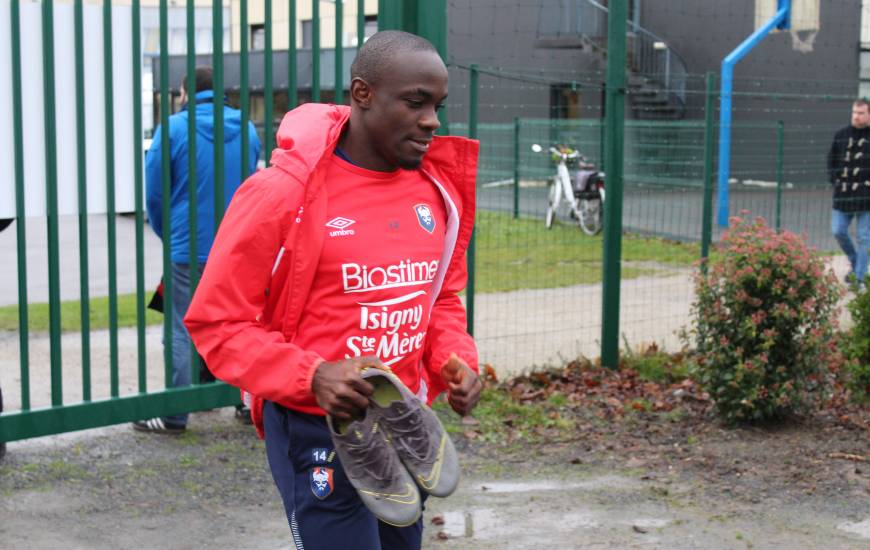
[245, 312]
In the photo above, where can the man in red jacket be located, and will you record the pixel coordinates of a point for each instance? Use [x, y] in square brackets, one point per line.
[348, 251]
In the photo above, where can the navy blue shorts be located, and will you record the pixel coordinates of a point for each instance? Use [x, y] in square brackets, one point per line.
[323, 516]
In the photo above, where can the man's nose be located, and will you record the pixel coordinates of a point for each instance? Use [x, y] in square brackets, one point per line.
[429, 120]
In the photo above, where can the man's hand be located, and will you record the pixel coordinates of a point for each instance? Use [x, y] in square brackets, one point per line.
[339, 388]
[463, 385]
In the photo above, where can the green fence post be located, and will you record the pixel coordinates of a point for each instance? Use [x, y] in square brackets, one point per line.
[51, 202]
[338, 87]
[428, 18]
[360, 23]
[472, 133]
[516, 167]
[268, 87]
[192, 183]
[218, 85]
[391, 15]
[20, 233]
[244, 92]
[109, 86]
[615, 104]
[780, 144]
[81, 176]
[315, 51]
[166, 191]
[137, 186]
[707, 206]
[292, 78]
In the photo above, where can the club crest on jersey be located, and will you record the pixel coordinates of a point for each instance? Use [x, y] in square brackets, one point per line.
[321, 482]
[424, 216]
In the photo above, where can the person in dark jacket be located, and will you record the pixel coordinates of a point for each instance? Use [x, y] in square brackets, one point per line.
[849, 173]
[178, 232]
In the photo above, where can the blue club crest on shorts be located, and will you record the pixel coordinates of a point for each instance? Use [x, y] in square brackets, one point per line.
[321, 482]
[424, 216]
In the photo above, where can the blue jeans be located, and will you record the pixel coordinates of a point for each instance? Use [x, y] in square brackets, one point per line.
[840, 222]
[339, 520]
[181, 345]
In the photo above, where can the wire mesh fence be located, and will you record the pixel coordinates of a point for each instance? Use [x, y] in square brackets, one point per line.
[542, 81]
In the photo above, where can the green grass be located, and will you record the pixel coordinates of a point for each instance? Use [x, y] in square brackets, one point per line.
[70, 315]
[657, 367]
[519, 254]
[502, 418]
[511, 255]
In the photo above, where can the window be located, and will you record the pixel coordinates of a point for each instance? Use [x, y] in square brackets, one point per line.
[258, 37]
[307, 32]
[371, 26]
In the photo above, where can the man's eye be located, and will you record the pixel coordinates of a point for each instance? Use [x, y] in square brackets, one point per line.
[439, 106]
[414, 103]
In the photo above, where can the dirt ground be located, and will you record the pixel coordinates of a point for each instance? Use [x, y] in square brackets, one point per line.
[637, 481]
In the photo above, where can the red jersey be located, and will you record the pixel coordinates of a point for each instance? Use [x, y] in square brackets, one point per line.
[371, 293]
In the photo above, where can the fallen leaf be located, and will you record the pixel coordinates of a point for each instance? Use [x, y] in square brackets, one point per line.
[438, 520]
[639, 529]
[442, 535]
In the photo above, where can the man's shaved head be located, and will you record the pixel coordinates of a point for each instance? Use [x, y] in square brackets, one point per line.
[379, 51]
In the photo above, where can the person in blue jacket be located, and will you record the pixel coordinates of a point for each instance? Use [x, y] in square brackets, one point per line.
[178, 233]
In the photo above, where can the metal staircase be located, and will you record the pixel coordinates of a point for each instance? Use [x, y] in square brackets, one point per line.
[657, 73]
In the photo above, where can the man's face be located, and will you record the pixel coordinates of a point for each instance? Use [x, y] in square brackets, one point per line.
[403, 113]
[860, 116]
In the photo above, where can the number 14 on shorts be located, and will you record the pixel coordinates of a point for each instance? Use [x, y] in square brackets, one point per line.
[322, 456]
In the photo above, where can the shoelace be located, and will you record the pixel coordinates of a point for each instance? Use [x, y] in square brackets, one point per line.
[411, 434]
[372, 458]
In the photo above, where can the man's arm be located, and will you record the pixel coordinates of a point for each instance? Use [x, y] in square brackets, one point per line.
[225, 315]
[450, 355]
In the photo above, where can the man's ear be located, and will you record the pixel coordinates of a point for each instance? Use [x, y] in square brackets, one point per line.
[361, 93]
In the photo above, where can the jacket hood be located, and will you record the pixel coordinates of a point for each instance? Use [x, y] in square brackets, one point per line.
[301, 141]
[205, 118]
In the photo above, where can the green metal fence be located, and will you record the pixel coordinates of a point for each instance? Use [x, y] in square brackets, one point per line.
[123, 381]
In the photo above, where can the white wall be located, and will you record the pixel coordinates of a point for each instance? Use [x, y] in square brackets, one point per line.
[64, 112]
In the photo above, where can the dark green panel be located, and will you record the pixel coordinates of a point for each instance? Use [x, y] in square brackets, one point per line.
[81, 175]
[472, 245]
[244, 91]
[192, 182]
[315, 51]
[166, 189]
[218, 82]
[614, 119]
[292, 79]
[20, 233]
[49, 107]
[137, 185]
[339, 61]
[81, 416]
[268, 91]
[111, 236]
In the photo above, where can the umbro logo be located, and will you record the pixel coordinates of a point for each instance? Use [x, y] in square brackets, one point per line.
[340, 225]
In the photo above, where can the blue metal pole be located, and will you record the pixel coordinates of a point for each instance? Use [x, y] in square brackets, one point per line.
[782, 20]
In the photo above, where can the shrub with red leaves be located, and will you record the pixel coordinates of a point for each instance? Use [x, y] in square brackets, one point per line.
[764, 320]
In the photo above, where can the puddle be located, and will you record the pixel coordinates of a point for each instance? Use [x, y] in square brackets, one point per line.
[490, 524]
[861, 528]
[605, 482]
